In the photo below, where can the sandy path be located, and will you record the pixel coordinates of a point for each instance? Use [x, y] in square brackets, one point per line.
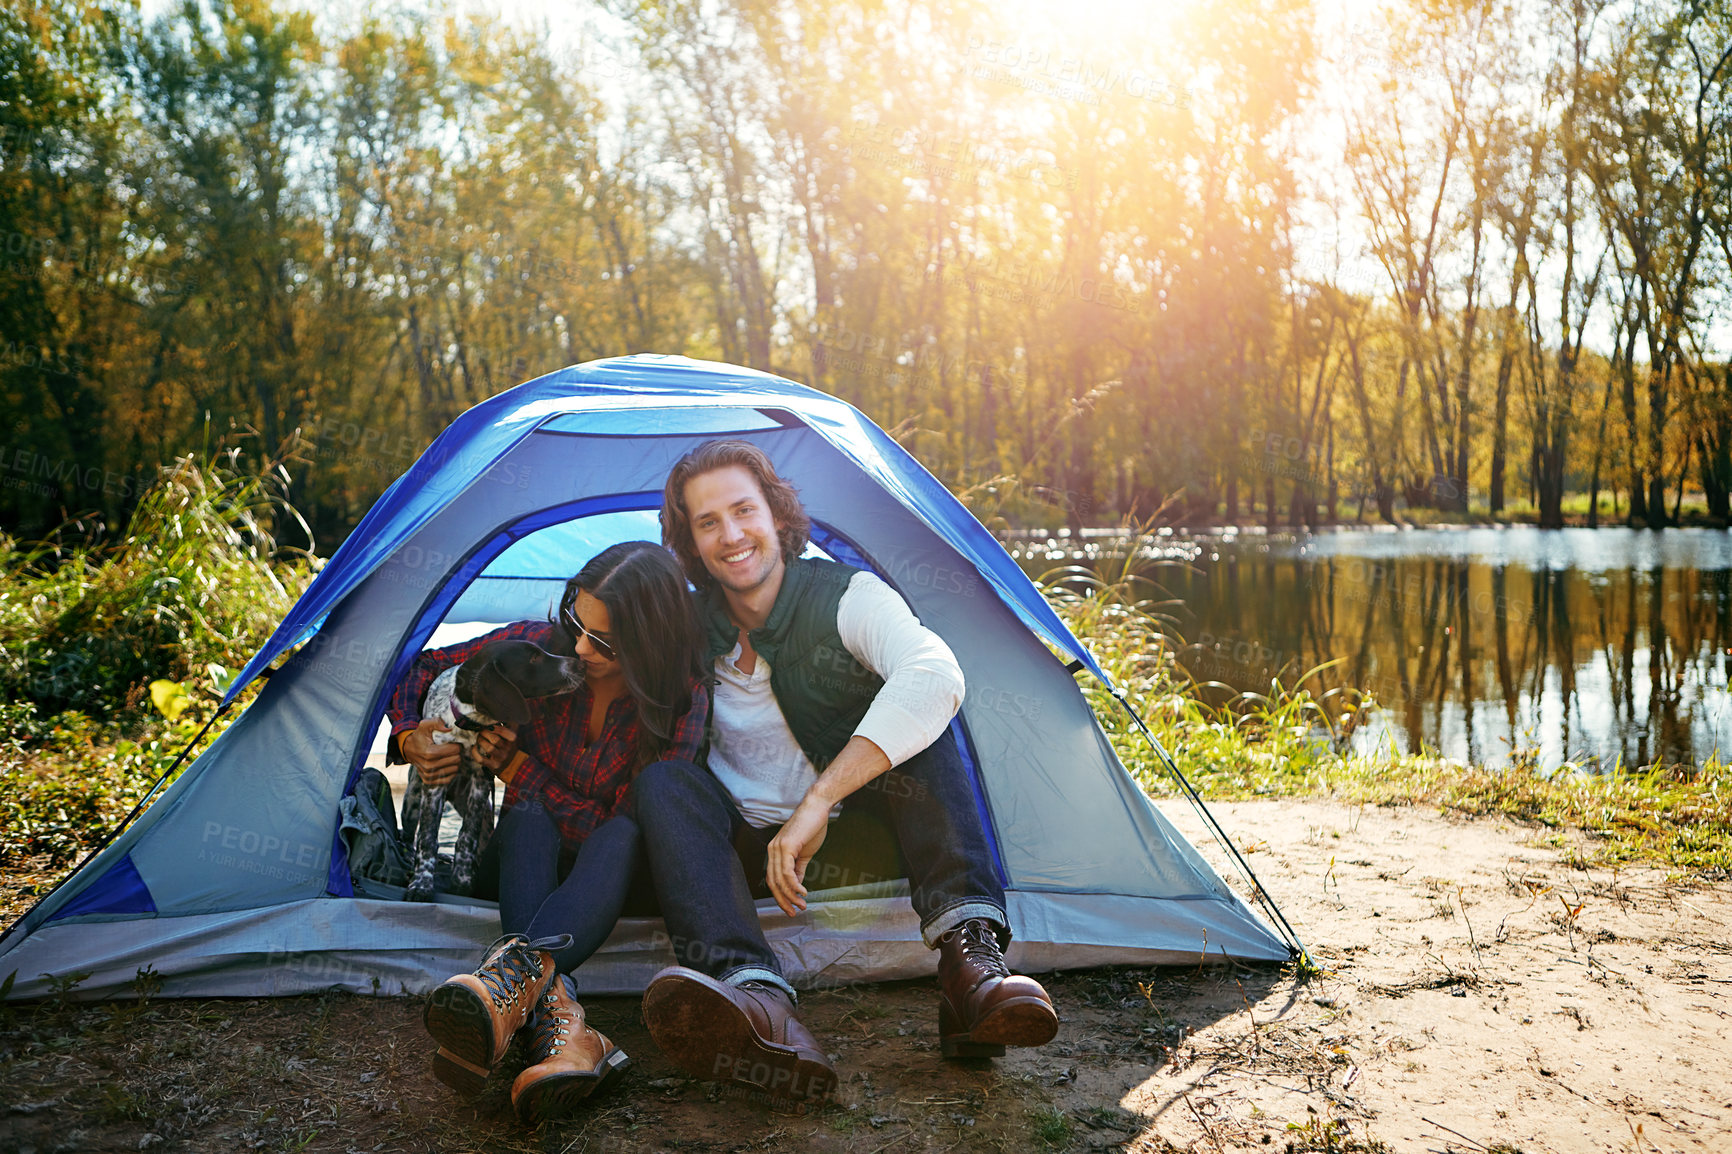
[1478, 984]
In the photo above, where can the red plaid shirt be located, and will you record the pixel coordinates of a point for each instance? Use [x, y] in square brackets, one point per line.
[582, 785]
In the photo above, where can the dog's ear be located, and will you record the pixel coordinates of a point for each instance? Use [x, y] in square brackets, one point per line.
[537, 672]
[503, 676]
[468, 675]
[495, 695]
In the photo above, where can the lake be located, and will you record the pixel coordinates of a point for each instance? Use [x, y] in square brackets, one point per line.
[1591, 646]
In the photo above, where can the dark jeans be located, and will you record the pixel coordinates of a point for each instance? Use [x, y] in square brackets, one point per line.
[700, 851]
[545, 890]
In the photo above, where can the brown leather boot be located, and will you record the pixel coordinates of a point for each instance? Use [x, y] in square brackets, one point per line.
[473, 1016]
[982, 1006]
[744, 1035]
[572, 1060]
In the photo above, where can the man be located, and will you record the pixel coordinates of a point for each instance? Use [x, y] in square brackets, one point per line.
[829, 693]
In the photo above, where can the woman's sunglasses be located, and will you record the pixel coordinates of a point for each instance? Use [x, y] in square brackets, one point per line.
[574, 629]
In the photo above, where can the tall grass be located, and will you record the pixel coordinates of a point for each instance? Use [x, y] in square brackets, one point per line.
[190, 590]
[1283, 740]
[196, 580]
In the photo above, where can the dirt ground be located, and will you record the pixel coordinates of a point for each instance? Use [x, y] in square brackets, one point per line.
[1480, 994]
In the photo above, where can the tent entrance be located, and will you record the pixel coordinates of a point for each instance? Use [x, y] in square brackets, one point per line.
[525, 567]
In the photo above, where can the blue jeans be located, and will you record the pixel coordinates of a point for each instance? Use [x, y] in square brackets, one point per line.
[535, 901]
[707, 861]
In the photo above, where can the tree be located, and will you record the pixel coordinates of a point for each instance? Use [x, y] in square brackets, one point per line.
[60, 223]
[1656, 123]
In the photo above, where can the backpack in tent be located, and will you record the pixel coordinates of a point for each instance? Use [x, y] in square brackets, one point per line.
[238, 879]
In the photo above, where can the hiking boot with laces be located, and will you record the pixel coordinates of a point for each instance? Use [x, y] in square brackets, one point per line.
[982, 1006]
[571, 1059]
[474, 1016]
[745, 1036]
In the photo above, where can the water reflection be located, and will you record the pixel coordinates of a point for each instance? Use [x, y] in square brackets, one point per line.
[1591, 646]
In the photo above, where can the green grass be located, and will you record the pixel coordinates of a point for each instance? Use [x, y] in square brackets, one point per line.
[142, 634]
[1051, 1125]
[195, 581]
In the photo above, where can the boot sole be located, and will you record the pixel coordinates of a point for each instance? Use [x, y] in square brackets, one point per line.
[462, 1024]
[1017, 1022]
[466, 1078]
[562, 1095]
[710, 1038]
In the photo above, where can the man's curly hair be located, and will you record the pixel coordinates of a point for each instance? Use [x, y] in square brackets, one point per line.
[783, 500]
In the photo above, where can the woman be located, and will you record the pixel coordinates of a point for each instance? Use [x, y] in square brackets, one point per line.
[566, 845]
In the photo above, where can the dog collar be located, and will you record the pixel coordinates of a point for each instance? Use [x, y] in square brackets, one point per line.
[466, 721]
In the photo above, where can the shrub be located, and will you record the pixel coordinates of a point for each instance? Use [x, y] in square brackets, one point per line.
[195, 580]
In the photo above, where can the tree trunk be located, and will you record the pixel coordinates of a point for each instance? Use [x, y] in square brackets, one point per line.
[1657, 383]
[1638, 500]
[1683, 475]
[1381, 491]
[1500, 427]
[1599, 454]
[1334, 486]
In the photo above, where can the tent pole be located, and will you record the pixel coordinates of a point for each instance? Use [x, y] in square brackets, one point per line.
[1263, 896]
[120, 825]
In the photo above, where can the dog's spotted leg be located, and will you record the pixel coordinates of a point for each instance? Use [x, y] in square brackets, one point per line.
[472, 795]
[426, 845]
[411, 808]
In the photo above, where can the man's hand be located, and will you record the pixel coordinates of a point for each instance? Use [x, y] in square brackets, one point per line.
[794, 845]
[437, 764]
[791, 850]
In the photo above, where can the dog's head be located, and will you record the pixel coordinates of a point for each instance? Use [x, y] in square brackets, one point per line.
[505, 676]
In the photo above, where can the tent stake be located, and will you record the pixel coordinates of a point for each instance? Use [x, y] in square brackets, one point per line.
[1262, 895]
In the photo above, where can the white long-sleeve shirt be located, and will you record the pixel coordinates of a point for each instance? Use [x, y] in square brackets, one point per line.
[753, 752]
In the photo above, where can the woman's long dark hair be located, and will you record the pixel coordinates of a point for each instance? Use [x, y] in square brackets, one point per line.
[654, 629]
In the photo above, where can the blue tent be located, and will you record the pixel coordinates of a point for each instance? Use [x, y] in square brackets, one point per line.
[235, 882]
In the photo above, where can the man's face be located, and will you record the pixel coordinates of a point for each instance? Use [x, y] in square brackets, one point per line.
[733, 529]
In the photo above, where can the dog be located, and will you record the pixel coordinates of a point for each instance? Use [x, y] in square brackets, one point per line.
[493, 687]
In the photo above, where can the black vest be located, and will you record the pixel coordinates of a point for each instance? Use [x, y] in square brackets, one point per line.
[821, 688]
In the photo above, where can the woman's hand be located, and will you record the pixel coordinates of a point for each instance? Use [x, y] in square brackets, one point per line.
[437, 764]
[496, 748]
